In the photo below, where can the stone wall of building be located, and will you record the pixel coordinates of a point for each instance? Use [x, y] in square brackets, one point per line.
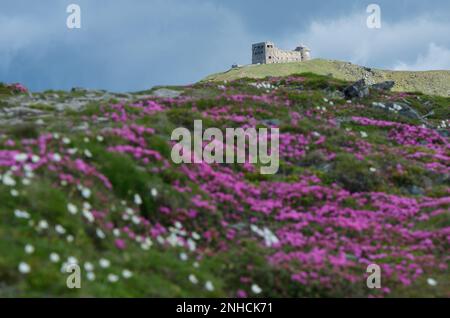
[268, 53]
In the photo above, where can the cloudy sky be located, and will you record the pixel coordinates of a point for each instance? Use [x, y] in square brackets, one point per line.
[127, 45]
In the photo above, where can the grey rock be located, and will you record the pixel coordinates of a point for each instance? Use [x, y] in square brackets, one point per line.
[82, 127]
[336, 95]
[11, 122]
[443, 178]
[415, 190]
[107, 96]
[75, 105]
[399, 108]
[21, 111]
[383, 86]
[325, 167]
[40, 122]
[408, 111]
[358, 89]
[166, 93]
[102, 119]
[272, 122]
[78, 89]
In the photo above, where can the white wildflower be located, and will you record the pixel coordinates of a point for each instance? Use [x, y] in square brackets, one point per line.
[269, 238]
[72, 151]
[431, 282]
[64, 267]
[135, 219]
[8, 180]
[28, 171]
[191, 245]
[256, 289]
[209, 286]
[89, 216]
[43, 225]
[60, 229]
[29, 249]
[24, 268]
[86, 193]
[148, 241]
[145, 247]
[88, 266]
[112, 278]
[87, 153]
[72, 208]
[127, 274]
[35, 158]
[21, 214]
[54, 258]
[104, 263]
[100, 233]
[72, 260]
[137, 199]
[21, 157]
[160, 239]
[193, 279]
[87, 206]
[57, 157]
[174, 240]
[90, 276]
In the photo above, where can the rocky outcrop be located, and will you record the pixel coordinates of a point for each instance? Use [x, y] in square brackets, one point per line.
[358, 89]
[361, 88]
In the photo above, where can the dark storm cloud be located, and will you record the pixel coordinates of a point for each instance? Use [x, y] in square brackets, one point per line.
[132, 45]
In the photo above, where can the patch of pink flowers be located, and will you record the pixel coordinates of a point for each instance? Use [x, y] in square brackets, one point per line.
[18, 88]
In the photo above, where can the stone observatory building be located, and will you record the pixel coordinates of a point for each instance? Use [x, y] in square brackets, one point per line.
[268, 53]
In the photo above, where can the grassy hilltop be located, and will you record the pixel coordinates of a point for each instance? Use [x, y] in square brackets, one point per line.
[429, 82]
[86, 177]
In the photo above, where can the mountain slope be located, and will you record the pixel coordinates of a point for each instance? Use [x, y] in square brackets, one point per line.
[429, 82]
[86, 177]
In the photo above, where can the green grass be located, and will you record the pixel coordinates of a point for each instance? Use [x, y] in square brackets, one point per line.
[428, 82]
